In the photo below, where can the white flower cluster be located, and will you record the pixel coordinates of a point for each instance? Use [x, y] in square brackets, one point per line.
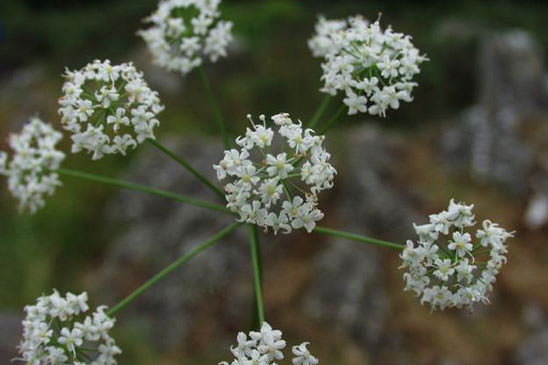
[373, 67]
[183, 31]
[458, 272]
[265, 347]
[57, 331]
[31, 170]
[107, 108]
[281, 190]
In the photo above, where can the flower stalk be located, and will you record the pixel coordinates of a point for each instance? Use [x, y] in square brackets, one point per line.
[320, 111]
[218, 117]
[333, 120]
[142, 188]
[255, 246]
[358, 238]
[173, 266]
[187, 166]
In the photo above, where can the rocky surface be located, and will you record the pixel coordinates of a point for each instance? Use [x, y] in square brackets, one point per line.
[347, 291]
[533, 350]
[487, 139]
[373, 198]
[10, 330]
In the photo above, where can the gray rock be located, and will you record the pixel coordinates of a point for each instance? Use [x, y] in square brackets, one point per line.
[10, 328]
[374, 200]
[347, 290]
[534, 349]
[486, 140]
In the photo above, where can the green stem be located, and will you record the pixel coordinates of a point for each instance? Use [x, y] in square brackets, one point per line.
[333, 119]
[174, 265]
[359, 238]
[319, 112]
[254, 244]
[187, 166]
[218, 117]
[142, 188]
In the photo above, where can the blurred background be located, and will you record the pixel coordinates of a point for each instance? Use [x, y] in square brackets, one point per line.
[477, 131]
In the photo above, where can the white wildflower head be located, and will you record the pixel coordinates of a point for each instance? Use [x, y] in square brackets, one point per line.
[277, 189]
[448, 266]
[374, 68]
[61, 330]
[108, 108]
[265, 347]
[184, 31]
[31, 170]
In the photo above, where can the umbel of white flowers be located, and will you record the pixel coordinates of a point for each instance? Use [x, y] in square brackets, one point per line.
[31, 171]
[59, 330]
[373, 67]
[183, 31]
[446, 267]
[265, 348]
[277, 190]
[107, 108]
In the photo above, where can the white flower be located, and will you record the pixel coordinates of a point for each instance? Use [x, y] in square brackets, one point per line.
[277, 222]
[182, 32]
[460, 214]
[461, 243]
[265, 347]
[356, 103]
[492, 235]
[454, 272]
[107, 108]
[71, 339]
[303, 356]
[57, 330]
[444, 269]
[374, 67]
[307, 217]
[270, 342]
[270, 191]
[31, 171]
[465, 271]
[278, 166]
[279, 190]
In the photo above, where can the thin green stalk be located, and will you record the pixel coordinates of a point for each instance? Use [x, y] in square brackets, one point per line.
[358, 238]
[333, 119]
[218, 117]
[142, 188]
[256, 260]
[187, 166]
[319, 112]
[174, 265]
